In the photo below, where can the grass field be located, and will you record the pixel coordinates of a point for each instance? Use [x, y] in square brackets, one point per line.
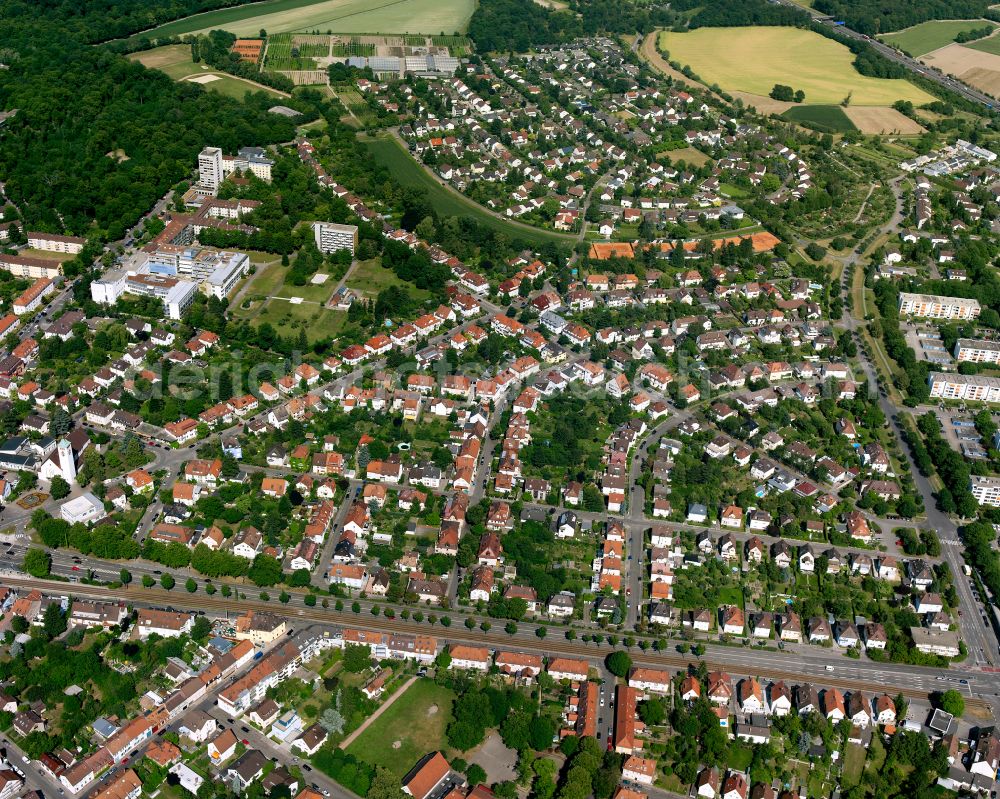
[47, 254]
[175, 60]
[340, 16]
[854, 762]
[446, 201]
[826, 118]
[990, 45]
[931, 35]
[266, 300]
[413, 726]
[370, 277]
[690, 155]
[755, 59]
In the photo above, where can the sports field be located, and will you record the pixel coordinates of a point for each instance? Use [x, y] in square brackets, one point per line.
[755, 59]
[931, 35]
[447, 201]
[410, 728]
[175, 60]
[339, 16]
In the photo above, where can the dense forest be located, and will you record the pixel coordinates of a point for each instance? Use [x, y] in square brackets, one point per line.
[99, 20]
[98, 138]
[879, 16]
[519, 25]
[723, 13]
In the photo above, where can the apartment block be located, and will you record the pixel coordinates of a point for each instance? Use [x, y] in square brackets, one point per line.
[53, 242]
[933, 306]
[210, 168]
[29, 267]
[977, 350]
[331, 237]
[971, 388]
[986, 490]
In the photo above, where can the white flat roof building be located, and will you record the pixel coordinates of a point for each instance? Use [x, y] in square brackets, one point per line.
[986, 490]
[934, 306]
[331, 237]
[977, 350]
[210, 168]
[971, 388]
[85, 508]
[225, 276]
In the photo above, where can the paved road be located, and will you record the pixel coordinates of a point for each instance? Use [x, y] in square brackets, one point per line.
[980, 640]
[822, 666]
[35, 777]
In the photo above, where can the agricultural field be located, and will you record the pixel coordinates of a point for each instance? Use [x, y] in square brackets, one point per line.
[755, 59]
[285, 53]
[826, 118]
[989, 45]
[175, 61]
[353, 47]
[873, 120]
[977, 67]
[928, 36]
[447, 201]
[342, 16]
[410, 728]
[689, 155]
[352, 100]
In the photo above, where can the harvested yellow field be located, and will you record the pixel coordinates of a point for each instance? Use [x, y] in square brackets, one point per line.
[755, 59]
[975, 67]
[763, 104]
[875, 120]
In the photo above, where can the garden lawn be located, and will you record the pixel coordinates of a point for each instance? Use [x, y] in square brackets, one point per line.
[370, 277]
[854, 762]
[739, 757]
[287, 319]
[413, 723]
[754, 59]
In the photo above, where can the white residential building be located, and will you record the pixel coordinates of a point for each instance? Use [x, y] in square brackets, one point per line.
[331, 237]
[970, 388]
[934, 306]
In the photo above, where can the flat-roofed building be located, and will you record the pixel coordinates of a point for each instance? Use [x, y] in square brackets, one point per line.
[331, 237]
[935, 306]
[970, 388]
[210, 168]
[986, 490]
[977, 350]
